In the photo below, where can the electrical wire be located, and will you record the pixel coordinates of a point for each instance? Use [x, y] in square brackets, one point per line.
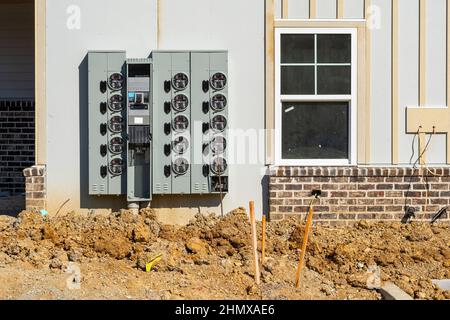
[422, 167]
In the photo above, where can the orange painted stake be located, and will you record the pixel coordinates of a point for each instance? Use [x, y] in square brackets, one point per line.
[263, 249]
[305, 243]
[254, 242]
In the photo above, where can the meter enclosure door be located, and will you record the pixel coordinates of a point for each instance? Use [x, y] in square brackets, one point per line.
[106, 122]
[139, 110]
[172, 122]
[210, 105]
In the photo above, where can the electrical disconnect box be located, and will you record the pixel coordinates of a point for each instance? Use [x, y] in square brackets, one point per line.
[159, 125]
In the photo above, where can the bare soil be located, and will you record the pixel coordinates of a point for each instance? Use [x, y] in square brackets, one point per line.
[104, 257]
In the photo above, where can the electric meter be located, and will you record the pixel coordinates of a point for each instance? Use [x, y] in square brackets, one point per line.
[180, 166]
[180, 81]
[180, 145]
[218, 145]
[180, 123]
[116, 124]
[115, 81]
[218, 81]
[218, 102]
[116, 145]
[219, 165]
[218, 123]
[116, 102]
[116, 166]
[180, 102]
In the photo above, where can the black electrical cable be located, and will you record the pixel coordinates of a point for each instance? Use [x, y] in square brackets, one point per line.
[408, 209]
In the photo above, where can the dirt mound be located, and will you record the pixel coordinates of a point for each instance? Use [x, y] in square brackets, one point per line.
[340, 261]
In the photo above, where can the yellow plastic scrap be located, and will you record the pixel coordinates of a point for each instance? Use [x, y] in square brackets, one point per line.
[155, 260]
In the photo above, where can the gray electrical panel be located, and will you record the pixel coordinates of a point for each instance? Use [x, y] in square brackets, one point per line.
[139, 129]
[107, 152]
[159, 125]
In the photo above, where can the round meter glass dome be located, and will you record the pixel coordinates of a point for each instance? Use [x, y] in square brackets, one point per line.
[116, 124]
[219, 165]
[116, 102]
[180, 123]
[180, 145]
[180, 166]
[218, 145]
[116, 166]
[180, 102]
[115, 81]
[218, 123]
[218, 81]
[180, 81]
[218, 102]
[116, 145]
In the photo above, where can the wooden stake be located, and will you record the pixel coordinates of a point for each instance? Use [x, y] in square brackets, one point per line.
[254, 242]
[263, 250]
[305, 243]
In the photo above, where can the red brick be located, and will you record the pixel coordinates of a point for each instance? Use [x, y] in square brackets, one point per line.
[375, 209]
[321, 209]
[292, 202]
[365, 202]
[346, 186]
[384, 201]
[385, 187]
[393, 208]
[439, 186]
[284, 195]
[334, 186]
[358, 194]
[347, 216]
[357, 209]
[366, 187]
[293, 187]
[338, 209]
[339, 194]
[285, 209]
[375, 194]
[439, 201]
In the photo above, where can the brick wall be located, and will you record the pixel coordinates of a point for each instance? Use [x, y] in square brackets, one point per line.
[350, 194]
[17, 140]
[36, 194]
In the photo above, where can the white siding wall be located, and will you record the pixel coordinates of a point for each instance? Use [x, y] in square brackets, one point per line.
[381, 86]
[354, 9]
[408, 89]
[298, 9]
[326, 9]
[16, 50]
[436, 71]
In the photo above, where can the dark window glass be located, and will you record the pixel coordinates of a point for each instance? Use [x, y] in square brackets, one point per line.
[315, 130]
[297, 80]
[297, 48]
[334, 48]
[334, 80]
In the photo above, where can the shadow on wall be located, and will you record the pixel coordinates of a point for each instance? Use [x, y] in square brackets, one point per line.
[265, 181]
[12, 205]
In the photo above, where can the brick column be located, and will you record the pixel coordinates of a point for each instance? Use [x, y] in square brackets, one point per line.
[35, 183]
[351, 194]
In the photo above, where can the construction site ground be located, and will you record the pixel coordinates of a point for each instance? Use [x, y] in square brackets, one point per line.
[105, 257]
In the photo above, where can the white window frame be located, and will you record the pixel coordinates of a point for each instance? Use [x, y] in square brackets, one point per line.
[352, 99]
